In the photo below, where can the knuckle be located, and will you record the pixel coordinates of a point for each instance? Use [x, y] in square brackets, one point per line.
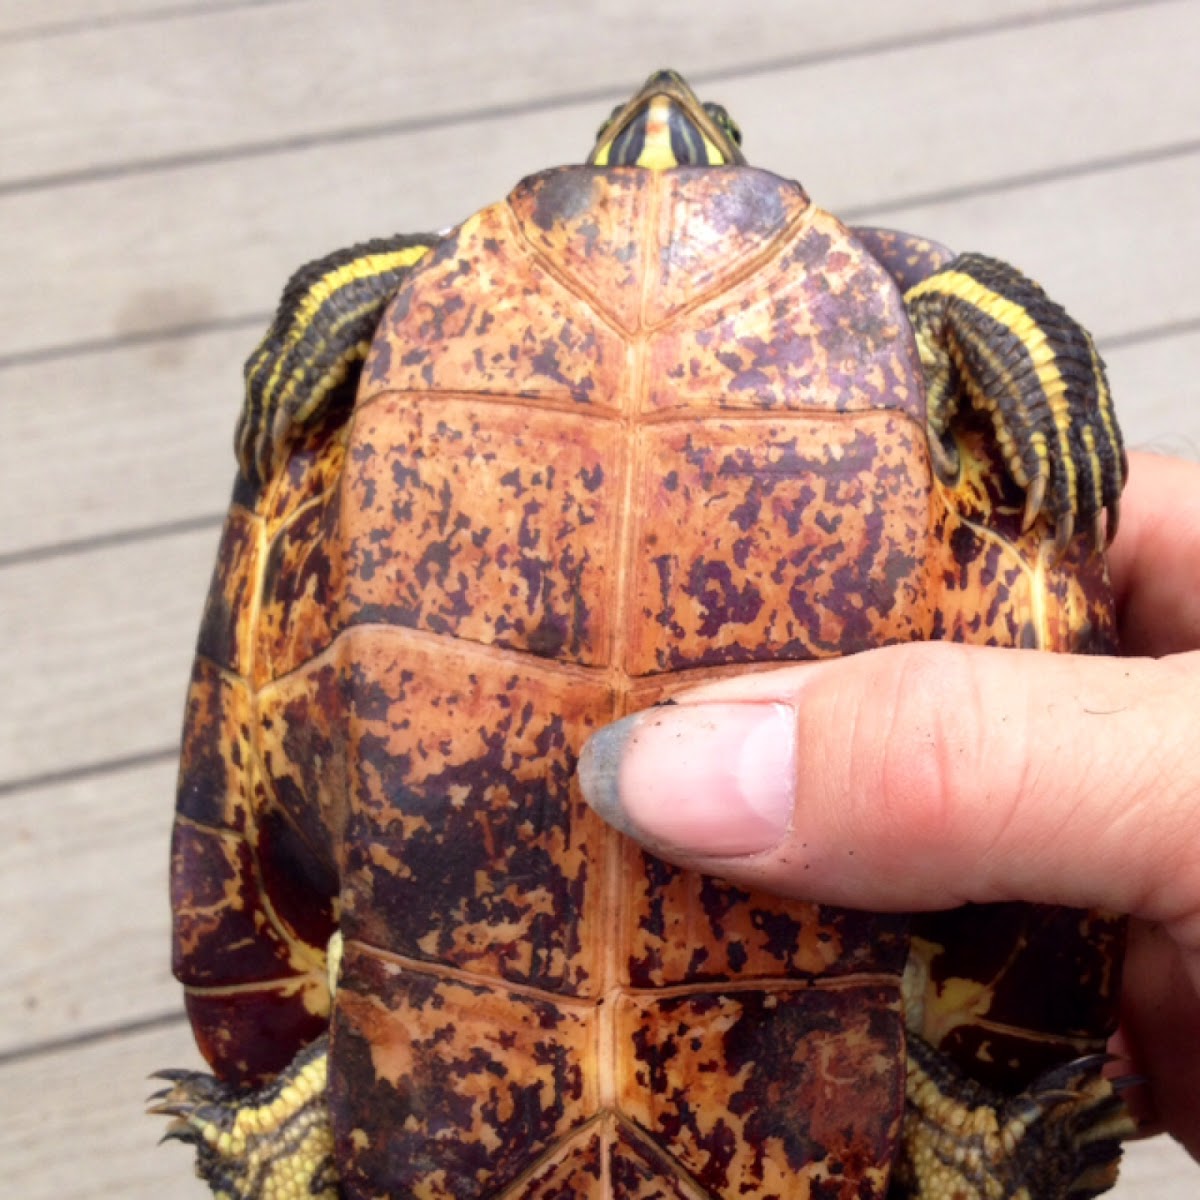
[929, 727]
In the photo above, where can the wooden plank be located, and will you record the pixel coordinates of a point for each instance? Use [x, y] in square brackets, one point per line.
[74, 1126]
[918, 119]
[137, 437]
[215, 240]
[1155, 389]
[39, 20]
[85, 866]
[245, 76]
[97, 651]
[1117, 248]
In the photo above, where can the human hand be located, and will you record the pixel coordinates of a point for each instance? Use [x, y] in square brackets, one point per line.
[927, 775]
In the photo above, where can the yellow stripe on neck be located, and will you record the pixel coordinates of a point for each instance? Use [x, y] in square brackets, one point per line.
[657, 154]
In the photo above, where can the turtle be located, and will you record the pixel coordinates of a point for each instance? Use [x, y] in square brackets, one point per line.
[646, 421]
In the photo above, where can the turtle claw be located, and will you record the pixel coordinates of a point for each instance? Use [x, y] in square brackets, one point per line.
[171, 1074]
[1064, 531]
[1113, 512]
[258, 444]
[177, 1132]
[1059, 1138]
[1124, 1083]
[182, 1075]
[990, 337]
[1035, 498]
[187, 1093]
[947, 461]
[274, 1141]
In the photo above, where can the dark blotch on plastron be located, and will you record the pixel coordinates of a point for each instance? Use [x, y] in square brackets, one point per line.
[749, 203]
[299, 881]
[562, 195]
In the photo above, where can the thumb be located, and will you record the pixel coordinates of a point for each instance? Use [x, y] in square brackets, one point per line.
[923, 776]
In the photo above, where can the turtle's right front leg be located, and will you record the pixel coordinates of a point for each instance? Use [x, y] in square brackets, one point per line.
[310, 358]
[273, 1143]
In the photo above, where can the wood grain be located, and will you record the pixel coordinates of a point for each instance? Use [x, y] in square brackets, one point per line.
[75, 1126]
[76, 966]
[246, 75]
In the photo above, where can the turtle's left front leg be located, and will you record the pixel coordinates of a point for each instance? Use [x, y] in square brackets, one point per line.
[990, 335]
[274, 1143]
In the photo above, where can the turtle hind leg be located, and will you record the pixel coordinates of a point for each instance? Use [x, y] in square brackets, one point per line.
[272, 1143]
[991, 336]
[1058, 1140]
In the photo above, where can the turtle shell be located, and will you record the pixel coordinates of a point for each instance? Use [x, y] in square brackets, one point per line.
[620, 433]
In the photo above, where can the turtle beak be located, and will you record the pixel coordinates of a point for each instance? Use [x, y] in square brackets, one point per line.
[665, 126]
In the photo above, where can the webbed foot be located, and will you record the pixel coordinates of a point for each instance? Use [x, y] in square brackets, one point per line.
[990, 335]
[273, 1143]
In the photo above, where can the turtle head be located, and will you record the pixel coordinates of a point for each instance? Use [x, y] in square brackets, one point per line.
[666, 126]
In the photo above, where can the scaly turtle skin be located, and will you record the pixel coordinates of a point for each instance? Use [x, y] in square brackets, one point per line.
[643, 423]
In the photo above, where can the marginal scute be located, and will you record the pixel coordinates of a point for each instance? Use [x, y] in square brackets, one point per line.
[251, 1035]
[223, 932]
[301, 750]
[1039, 1008]
[226, 628]
[301, 576]
[215, 787]
[1002, 585]
[907, 258]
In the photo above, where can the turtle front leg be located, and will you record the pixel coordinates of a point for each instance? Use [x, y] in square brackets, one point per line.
[273, 1143]
[309, 361]
[1058, 1140]
[989, 334]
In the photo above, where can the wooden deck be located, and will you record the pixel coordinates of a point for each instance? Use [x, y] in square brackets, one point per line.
[168, 163]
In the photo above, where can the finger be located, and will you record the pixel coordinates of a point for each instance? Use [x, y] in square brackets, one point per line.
[1155, 559]
[924, 776]
[1160, 1032]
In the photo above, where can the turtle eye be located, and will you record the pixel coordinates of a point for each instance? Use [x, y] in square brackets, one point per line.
[727, 124]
